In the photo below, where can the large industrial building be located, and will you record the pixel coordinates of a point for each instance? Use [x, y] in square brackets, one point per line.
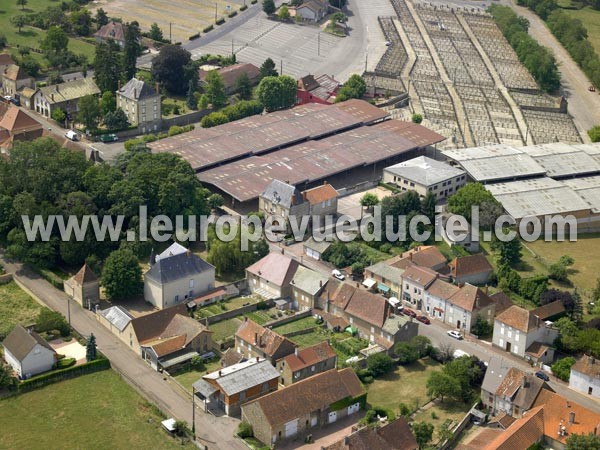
[540, 180]
[344, 144]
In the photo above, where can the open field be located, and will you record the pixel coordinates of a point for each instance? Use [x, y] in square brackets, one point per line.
[225, 328]
[187, 17]
[30, 36]
[97, 411]
[15, 307]
[186, 379]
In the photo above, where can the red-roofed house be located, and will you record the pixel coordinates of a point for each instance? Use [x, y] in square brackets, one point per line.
[16, 125]
[321, 89]
[415, 281]
[474, 269]
[306, 362]
[271, 276]
[231, 74]
[252, 340]
[14, 78]
[427, 256]
[396, 435]
[467, 305]
[112, 31]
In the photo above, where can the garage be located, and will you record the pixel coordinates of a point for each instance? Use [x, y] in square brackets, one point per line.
[332, 416]
[353, 408]
[291, 428]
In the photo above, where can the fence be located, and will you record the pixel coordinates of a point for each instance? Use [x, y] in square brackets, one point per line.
[185, 119]
[288, 319]
[343, 192]
[236, 312]
[304, 331]
[458, 430]
[64, 374]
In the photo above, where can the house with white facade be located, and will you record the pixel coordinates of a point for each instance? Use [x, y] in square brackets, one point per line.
[517, 330]
[27, 352]
[271, 276]
[415, 281]
[467, 305]
[585, 376]
[436, 298]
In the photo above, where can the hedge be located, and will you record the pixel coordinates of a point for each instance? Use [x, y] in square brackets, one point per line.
[194, 36]
[221, 21]
[244, 8]
[254, 2]
[63, 374]
[232, 14]
[345, 402]
[207, 29]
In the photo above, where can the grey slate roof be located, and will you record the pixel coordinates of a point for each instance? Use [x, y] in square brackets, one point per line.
[318, 246]
[394, 323]
[117, 316]
[281, 193]
[425, 171]
[242, 376]
[308, 280]
[136, 89]
[70, 90]
[20, 342]
[177, 267]
[495, 373]
[204, 388]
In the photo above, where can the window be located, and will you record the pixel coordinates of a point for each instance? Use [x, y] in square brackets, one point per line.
[176, 298]
[242, 396]
[191, 283]
[312, 369]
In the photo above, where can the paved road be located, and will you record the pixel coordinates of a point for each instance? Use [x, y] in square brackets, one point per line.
[216, 433]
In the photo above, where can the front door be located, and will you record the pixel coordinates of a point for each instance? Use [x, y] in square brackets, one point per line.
[508, 346]
[458, 324]
[332, 416]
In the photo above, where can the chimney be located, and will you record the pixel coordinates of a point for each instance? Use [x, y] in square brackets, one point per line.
[304, 195]
[118, 85]
[346, 440]
[524, 382]
[410, 255]
[152, 257]
[134, 92]
[52, 97]
[324, 182]
[320, 283]
[219, 373]
[188, 253]
[293, 199]
[257, 358]
[296, 351]
[57, 89]
[255, 338]
[282, 251]
[156, 88]
[485, 289]
[571, 417]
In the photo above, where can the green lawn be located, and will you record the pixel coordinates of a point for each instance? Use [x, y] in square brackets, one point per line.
[226, 305]
[307, 340]
[590, 19]
[186, 379]
[296, 325]
[16, 306]
[224, 328]
[454, 411]
[98, 411]
[261, 316]
[31, 37]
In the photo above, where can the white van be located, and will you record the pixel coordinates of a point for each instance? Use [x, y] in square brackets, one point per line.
[72, 135]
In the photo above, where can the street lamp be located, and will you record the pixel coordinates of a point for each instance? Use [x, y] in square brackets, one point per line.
[193, 413]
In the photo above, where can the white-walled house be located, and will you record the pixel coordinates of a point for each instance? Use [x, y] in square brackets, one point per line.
[415, 282]
[176, 277]
[27, 353]
[467, 305]
[585, 376]
[517, 329]
[436, 298]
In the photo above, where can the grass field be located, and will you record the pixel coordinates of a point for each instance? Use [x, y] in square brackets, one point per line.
[225, 328]
[261, 316]
[296, 325]
[98, 411]
[307, 340]
[15, 307]
[31, 37]
[589, 17]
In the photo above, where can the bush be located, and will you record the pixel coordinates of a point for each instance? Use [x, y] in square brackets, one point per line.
[232, 14]
[244, 8]
[417, 118]
[380, 364]
[194, 36]
[65, 362]
[208, 28]
[371, 415]
[245, 430]
[175, 130]
[482, 328]
[562, 368]
[48, 320]
[594, 133]
[253, 2]
[262, 305]
[221, 21]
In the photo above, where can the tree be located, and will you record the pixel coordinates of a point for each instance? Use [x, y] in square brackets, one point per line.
[442, 385]
[213, 119]
[417, 118]
[338, 17]
[215, 89]
[583, 442]
[190, 97]
[55, 42]
[277, 92]
[284, 13]
[132, 49]
[482, 328]
[48, 320]
[81, 22]
[101, 17]
[507, 252]
[7, 380]
[562, 368]
[122, 275]
[268, 6]
[369, 200]
[422, 344]
[3, 40]
[428, 204]
[18, 22]
[558, 272]
[215, 201]
[243, 87]
[355, 87]
[380, 364]
[107, 66]
[594, 133]
[245, 430]
[90, 348]
[116, 120]
[268, 69]
[423, 432]
[108, 103]
[89, 111]
[59, 115]
[406, 353]
[22, 4]
[31, 66]
[472, 194]
[168, 68]
[156, 33]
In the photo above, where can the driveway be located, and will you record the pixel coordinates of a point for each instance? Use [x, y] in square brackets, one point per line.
[215, 433]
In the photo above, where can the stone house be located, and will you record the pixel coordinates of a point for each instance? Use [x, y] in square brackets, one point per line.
[437, 296]
[229, 388]
[384, 278]
[473, 269]
[313, 10]
[282, 199]
[231, 74]
[17, 125]
[112, 31]
[415, 282]
[271, 276]
[427, 256]
[395, 435]
[65, 96]
[312, 403]
[306, 287]
[253, 340]
[27, 352]
[467, 305]
[322, 200]
[305, 363]
[517, 329]
[14, 78]
[585, 376]
[141, 104]
[84, 287]
[177, 277]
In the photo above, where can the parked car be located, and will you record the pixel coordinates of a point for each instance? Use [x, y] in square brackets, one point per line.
[409, 312]
[542, 375]
[15, 101]
[459, 354]
[424, 319]
[109, 138]
[337, 274]
[72, 135]
[455, 334]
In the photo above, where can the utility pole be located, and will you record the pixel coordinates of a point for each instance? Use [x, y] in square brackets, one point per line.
[170, 34]
[193, 413]
[69, 310]
[319, 43]
[215, 12]
[281, 67]
[366, 56]
[232, 47]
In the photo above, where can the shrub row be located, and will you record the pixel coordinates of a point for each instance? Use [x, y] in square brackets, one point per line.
[194, 36]
[132, 144]
[221, 21]
[254, 2]
[232, 14]
[208, 28]
[230, 113]
[244, 8]
[63, 374]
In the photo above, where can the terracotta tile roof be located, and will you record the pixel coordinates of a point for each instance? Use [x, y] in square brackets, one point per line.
[587, 365]
[442, 289]
[85, 275]
[230, 74]
[14, 73]
[320, 194]
[471, 298]
[15, 121]
[399, 262]
[537, 349]
[308, 83]
[306, 396]
[231, 357]
[338, 292]
[503, 419]
[371, 308]
[523, 433]
[275, 268]
[420, 275]
[269, 341]
[167, 346]
[502, 301]
[310, 356]
[511, 382]
[519, 318]
[335, 321]
[396, 435]
[549, 310]
[426, 256]
[558, 410]
[470, 265]
[112, 30]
